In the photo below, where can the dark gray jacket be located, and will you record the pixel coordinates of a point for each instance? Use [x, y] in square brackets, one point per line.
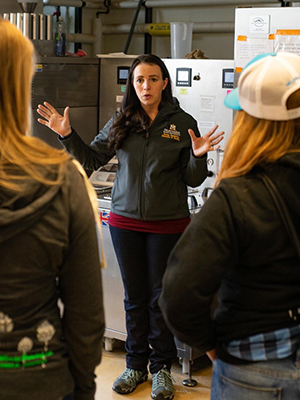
[237, 246]
[49, 250]
[153, 174]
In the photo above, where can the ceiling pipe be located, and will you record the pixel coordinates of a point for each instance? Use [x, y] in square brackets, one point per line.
[95, 38]
[158, 3]
[66, 3]
[76, 3]
[192, 3]
[204, 27]
[98, 30]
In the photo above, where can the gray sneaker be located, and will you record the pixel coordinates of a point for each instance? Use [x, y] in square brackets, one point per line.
[162, 385]
[128, 380]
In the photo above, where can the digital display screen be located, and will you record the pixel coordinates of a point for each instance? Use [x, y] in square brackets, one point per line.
[122, 75]
[183, 76]
[229, 77]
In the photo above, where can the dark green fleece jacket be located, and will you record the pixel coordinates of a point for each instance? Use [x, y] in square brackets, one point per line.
[153, 173]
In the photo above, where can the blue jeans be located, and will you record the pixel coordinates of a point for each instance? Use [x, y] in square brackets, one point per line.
[266, 380]
[142, 258]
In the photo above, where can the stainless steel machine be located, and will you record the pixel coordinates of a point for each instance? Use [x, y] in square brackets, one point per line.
[93, 88]
[113, 292]
[67, 81]
[113, 77]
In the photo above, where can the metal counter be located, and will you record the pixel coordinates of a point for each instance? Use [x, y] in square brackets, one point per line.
[113, 292]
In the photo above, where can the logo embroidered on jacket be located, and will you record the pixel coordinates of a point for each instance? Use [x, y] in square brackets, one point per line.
[45, 333]
[171, 133]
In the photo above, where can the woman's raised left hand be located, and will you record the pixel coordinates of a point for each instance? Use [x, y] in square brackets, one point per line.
[205, 143]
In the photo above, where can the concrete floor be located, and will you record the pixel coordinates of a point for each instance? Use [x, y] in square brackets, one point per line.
[113, 364]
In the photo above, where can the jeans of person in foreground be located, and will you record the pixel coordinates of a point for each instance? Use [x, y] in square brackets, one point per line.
[142, 258]
[266, 380]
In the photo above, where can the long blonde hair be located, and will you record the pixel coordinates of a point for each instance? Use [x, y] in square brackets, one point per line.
[19, 151]
[256, 141]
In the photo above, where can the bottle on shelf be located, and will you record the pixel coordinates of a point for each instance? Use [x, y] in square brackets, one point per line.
[60, 37]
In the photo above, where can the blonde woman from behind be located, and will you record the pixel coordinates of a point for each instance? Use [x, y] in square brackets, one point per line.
[49, 251]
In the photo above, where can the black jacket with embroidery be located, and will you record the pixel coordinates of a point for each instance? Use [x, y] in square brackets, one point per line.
[153, 173]
[49, 251]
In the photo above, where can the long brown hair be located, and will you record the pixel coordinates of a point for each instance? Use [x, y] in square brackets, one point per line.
[256, 141]
[18, 150]
[132, 117]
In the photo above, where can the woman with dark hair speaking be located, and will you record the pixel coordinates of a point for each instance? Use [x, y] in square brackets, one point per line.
[160, 152]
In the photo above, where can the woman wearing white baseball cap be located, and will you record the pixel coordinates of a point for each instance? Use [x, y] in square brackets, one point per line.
[247, 249]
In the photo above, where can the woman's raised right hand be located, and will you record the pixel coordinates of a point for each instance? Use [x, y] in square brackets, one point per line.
[51, 118]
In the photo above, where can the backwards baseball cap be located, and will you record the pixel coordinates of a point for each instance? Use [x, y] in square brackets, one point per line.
[264, 86]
